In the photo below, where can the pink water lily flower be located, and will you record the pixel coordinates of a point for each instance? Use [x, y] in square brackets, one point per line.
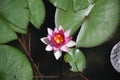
[58, 41]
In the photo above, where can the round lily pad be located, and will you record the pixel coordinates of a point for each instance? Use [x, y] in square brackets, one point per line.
[37, 11]
[100, 24]
[14, 65]
[76, 59]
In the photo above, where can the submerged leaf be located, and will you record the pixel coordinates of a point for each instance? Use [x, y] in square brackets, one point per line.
[14, 65]
[76, 59]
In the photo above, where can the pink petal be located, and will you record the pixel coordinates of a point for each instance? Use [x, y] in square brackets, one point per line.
[61, 32]
[56, 30]
[67, 33]
[71, 43]
[48, 48]
[65, 48]
[45, 40]
[49, 37]
[67, 39]
[60, 28]
[57, 54]
[50, 31]
[55, 48]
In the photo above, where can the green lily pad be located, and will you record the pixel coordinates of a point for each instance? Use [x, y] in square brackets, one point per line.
[69, 19]
[15, 12]
[91, 1]
[14, 17]
[76, 59]
[100, 24]
[80, 4]
[6, 34]
[17, 29]
[14, 65]
[37, 12]
[62, 4]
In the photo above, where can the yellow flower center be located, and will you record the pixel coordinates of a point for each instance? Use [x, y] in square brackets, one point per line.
[59, 38]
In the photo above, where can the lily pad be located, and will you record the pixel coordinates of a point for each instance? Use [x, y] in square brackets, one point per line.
[80, 4]
[6, 34]
[15, 12]
[14, 17]
[69, 19]
[17, 29]
[100, 24]
[76, 59]
[62, 4]
[37, 12]
[14, 65]
[91, 1]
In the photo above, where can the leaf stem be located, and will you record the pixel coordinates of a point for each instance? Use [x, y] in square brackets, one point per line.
[29, 41]
[46, 76]
[27, 48]
[82, 76]
[23, 44]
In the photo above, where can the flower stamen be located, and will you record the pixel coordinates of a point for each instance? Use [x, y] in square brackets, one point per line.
[59, 38]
